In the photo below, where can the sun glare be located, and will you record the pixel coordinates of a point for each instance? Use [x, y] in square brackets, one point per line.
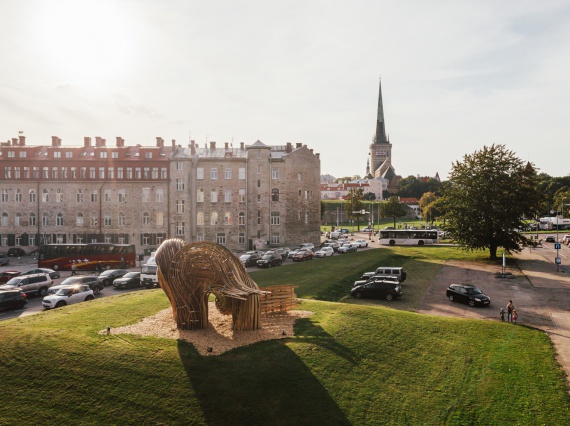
[85, 43]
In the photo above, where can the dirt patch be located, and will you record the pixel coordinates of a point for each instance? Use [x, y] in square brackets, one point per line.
[218, 335]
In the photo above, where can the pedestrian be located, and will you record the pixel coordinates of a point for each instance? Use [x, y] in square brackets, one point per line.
[510, 308]
[73, 268]
[515, 316]
[502, 313]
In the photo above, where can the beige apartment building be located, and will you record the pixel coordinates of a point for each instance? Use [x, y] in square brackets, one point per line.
[245, 197]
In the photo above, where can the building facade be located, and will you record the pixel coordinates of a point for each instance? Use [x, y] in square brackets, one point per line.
[251, 196]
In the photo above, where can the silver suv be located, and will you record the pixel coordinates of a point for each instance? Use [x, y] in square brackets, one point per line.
[35, 283]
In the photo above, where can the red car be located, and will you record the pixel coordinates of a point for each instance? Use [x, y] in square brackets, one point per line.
[6, 276]
[303, 255]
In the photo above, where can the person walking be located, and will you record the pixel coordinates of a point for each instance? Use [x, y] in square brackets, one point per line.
[510, 309]
[502, 314]
[73, 268]
[515, 316]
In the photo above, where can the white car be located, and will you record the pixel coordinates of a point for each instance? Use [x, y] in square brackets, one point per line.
[68, 295]
[361, 243]
[324, 252]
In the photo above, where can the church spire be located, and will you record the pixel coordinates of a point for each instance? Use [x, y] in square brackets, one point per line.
[380, 128]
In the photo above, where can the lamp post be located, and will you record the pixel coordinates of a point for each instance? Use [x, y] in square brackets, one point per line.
[558, 260]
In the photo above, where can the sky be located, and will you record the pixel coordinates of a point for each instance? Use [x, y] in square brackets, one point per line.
[456, 76]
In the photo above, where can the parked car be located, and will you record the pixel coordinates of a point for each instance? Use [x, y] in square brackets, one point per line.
[392, 271]
[68, 295]
[4, 260]
[367, 230]
[130, 280]
[394, 280]
[467, 293]
[294, 252]
[377, 289]
[282, 252]
[6, 276]
[550, 239]
[52, 274]
[107, 277]
[361, 243]
[302, 255]
[324, 252]
[90, 280]
[307, 246]
[333, 245]
[344, 231]
[269, 259]
[16, 252]
[36, 283]
[12, 299]
[347, 248]
[250, 259]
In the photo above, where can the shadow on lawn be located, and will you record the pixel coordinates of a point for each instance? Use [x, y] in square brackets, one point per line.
[266, 383]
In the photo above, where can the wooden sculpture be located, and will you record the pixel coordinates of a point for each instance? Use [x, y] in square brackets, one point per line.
[189, 273]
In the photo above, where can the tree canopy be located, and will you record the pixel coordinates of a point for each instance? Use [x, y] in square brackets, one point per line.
[491, 193]
[393, 208]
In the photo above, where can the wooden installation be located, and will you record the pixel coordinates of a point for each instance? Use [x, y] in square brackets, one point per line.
[278, 299]
[189, 273]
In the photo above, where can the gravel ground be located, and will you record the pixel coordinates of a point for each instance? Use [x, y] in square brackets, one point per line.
[218, 335]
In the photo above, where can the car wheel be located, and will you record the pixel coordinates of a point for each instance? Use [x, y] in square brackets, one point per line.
[451, 298]
[420, 242]
[88, 298]
[60, 304]
[55, 266]
[471, 303]
[389, 296]
[358, 295]
[96, 290]
[392, 242]
[42, 291]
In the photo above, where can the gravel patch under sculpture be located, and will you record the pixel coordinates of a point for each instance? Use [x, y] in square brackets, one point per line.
[218, 335]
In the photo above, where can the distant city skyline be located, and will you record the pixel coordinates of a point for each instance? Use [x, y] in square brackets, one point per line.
[455, 76]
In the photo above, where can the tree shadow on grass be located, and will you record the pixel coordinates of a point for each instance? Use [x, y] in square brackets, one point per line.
[265, 383]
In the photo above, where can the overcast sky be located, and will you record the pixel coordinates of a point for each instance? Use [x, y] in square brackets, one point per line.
[456, 76]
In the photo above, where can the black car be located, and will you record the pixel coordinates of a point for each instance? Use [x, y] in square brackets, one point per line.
[467, 293]
[16, 252]
[377, 289]
[130, 280]
[393, 280]
[270, 259]
[107, 277]
[12, 299]
[250, 259]
[90, 280]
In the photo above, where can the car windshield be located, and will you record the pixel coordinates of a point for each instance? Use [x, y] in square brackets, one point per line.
[70, 280]
[63, 292]
[130, 275]
[14, 281]
[106, 273]
[473, 290]
[245, 256]
[267, 256]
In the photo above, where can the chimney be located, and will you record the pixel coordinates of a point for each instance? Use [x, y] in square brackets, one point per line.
[174, 142]
[289, 147]
[227, 145]
[120, 142]
[242, 145]
[55, 141]
[99, 141]
[160, 142]
[192, 148]
[86, 141]
[299, 144]
[14, 141]
[22, 140]
[212, 145]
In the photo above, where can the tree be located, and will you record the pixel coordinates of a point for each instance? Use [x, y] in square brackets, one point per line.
[491, 193]
[369, 196]
[427, 203]
[354, 204]
[393, 208]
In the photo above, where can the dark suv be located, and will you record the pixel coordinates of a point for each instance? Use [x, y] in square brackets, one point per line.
[377, 289]
[269, 259]
[16, 252]
[107, 277]
[12, 299]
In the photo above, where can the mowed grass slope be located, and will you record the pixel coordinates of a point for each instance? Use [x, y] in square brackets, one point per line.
[347, 364]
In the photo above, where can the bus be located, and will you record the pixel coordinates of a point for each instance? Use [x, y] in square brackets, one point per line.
[87, 257]
[417, 237]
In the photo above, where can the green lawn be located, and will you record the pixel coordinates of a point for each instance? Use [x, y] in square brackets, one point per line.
[347, 364]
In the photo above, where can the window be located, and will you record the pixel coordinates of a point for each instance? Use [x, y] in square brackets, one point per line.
[26, 172]
[83, 172]
[101, 172]
[146, 173]
[227, 218]
[214, 218]
[68, 154]
[199, 237]
[5, 222]
[146, 218]
[107, 195]
[120, 173]
[179, 228]
[306, 195]
[18, 220]
[114, 154]
[122, 195]
[180, 184]
[146, 195]
[259, 198]
[258, 152]
[220, 238]
[145, 239]
[103, 154]
[45, 219]
[73, 172]
[159, 195]
[298, 176]
[242, 195]
[94, 196]
[138, 173]
[111, 173]
[122, 240]
[108, 239]
[227, 173]
[200, 173]
[258, 170]
[274, 239]
[45, 172]
[92, 172]
[31, 221]
[179, 165]
[259, 217]
[59, 196]
[32, 194]
[36, 172]
[7, 172]
[241, 218]
[200, 219]
[159, 219]
[306, 217]
[241, 238]
[23, 154]
[122, 219]
[129, 172]
[259, 183]
[45, 196]
[274, 173]
[79, 196]
[148, 154]
[17, 172]
[163, 173]
[214, 173]
[64, 172]
[214, 197]
[242, 173]
[155, 172]
[11, 154]
[31, 240]
[275, 194]
[59, 219]
[275, 218]
[4, 195]
[228, 196]
[179, 206]
[107, 221]
[18, 195]
[54, 173]
[200, 195]
[94, 219]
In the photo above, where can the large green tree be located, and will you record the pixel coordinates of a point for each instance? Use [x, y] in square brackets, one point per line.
[354, 204]
[491, 193]
[393, 208]
[427, 204]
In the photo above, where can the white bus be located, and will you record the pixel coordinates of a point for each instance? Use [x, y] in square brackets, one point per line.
[418, 237]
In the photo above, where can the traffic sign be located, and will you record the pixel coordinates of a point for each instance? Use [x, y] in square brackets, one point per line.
[558, 261]
[557, 246]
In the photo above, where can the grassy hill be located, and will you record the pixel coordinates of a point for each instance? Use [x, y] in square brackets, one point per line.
[347, 364]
